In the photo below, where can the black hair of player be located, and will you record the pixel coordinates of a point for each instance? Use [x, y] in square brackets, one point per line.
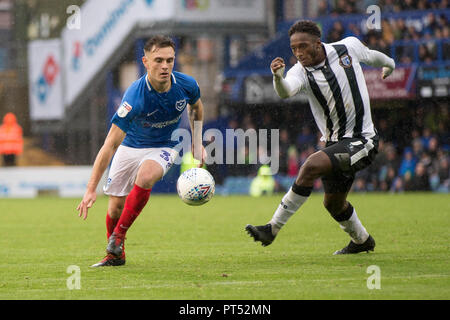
[158, 41]
[305, 26]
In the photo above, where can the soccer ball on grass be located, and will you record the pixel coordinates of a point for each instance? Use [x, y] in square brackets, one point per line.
[196, 186]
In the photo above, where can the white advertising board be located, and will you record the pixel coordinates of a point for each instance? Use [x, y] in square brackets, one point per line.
[27, 182]
[104, 26]
[45, 80]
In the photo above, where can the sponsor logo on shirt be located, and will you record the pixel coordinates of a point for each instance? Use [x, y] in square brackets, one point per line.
[162, 124]
[124, 109]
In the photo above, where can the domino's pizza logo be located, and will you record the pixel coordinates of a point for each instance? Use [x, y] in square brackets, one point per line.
[46, 79]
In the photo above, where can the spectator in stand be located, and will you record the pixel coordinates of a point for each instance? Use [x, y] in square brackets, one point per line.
[397, 185]
[353, 31]
[388, 6]
[339, 8]
[407, 181]
[433, 147]
[11, 140]
[336, 33]
[430, 23]
[420, 181]
[293, 164]
[415, 135]
[387, 32]
[424, 54]
[442, 4]
[391, 156]
[387, 179]
[362, 180]
[400, 29]
[388, 167]
[322, 9]
[413, 34]
[373, 40]
[426, 137]
[284, 147]
[359, 185]
[431, 44]
[362, 5]
[408, 163]
[443, 21]
[407, 5]
[263, 183]
[417, 149]
[386, 131]
[305, 139]
[422, 5]
[444, 175]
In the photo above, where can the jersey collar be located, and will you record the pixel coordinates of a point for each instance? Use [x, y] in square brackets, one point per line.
[174, 80]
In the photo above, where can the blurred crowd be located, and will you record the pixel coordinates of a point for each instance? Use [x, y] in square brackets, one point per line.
[425, 38]
[339, 7]
[414, 148]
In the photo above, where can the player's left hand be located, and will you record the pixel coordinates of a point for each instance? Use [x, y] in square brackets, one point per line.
[386, 72]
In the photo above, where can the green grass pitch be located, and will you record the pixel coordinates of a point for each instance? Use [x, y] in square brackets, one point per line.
[177, 252]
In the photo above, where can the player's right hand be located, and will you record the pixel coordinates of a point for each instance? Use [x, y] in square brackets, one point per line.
[277, 67]
[87, 202]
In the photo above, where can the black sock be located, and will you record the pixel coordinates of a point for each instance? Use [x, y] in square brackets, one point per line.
[302, 191]
[344, 215]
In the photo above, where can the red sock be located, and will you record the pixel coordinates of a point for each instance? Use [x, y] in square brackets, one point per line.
[136, 201]
[110, 225]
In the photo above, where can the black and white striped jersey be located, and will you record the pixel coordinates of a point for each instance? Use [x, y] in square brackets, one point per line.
[337, 90]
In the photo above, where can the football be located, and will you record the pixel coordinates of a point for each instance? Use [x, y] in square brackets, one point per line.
[195, 186]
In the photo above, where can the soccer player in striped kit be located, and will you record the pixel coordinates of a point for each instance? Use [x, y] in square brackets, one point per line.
[332, 78]
[140, 139]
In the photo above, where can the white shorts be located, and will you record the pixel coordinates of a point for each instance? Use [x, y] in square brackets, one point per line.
[125, 165]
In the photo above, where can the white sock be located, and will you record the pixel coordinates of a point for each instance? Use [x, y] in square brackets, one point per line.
[355, 229]
[290, 203]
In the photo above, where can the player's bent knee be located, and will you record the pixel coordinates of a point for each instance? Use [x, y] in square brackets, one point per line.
[334, 207]
[311, 169]
[149, 173]
[115, 206]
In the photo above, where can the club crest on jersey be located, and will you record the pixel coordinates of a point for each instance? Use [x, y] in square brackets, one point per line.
[180, 104]
[345, 61]
[124, 109]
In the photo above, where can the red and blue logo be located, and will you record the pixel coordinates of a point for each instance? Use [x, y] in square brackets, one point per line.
[196, 4]
[46, 79]
[76, 55]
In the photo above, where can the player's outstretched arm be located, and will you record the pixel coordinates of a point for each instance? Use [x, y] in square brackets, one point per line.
[112, 142]
[284, 87]
[380, 60]
[373, 58]
[195, 112]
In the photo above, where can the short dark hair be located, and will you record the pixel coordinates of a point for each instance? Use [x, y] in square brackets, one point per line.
[305, 26]
[158, 41]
